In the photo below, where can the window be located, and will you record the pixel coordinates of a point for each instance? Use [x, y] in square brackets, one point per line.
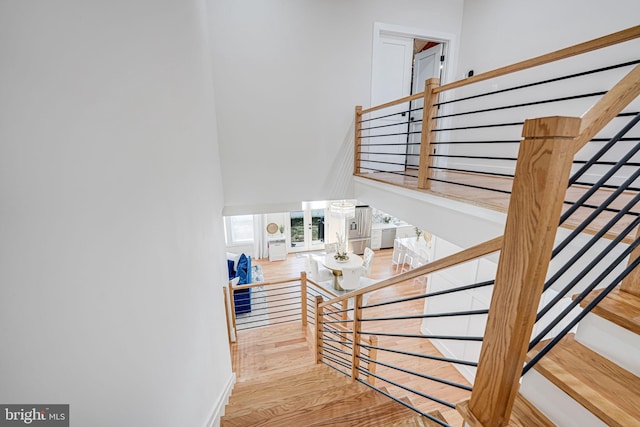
[239, 229]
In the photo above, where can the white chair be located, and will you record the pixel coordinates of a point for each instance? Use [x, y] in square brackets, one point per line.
[351, 278]
[407, 261]
[419, 259]
[318, 272]
[367, 261]
[331, 248]
[398, 254]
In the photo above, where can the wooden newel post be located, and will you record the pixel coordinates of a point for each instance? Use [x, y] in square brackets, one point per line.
[355, 354]
[232, 299]
[539, 186]
[226, 313]
[358, 141]
[318, 319]
[429, 111]
[303, 297]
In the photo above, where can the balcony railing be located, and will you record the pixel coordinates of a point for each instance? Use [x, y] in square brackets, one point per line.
[466, 143]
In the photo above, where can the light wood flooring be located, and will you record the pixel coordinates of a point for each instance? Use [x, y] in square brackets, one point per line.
[251, 355]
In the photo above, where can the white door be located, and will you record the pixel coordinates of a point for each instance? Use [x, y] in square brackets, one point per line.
[426, 64]
[390, 80]
[306, 230]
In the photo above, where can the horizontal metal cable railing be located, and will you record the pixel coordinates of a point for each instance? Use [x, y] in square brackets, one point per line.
[581, 262]
[400, 343]
[466, 139]
[263, 304]
[390, 139]
[478, 135]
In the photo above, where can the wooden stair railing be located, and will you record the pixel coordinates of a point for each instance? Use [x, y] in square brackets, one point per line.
[465, 255]
[232, 306]
[469, 254]
[542, 171]
[592, 119]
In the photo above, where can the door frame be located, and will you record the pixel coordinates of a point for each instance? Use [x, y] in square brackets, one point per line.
[449, 41]
[309, 244]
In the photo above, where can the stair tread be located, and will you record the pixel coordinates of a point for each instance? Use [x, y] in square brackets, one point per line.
[270, 376]
[324, 412]
[604, 388]
[278, 404]
[523, 414]
[292, 386]
[619, 307]
[388, 413]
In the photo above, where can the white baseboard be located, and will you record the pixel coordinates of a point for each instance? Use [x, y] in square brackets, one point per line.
[218, 409]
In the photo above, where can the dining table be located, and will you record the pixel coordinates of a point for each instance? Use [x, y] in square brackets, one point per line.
[336, 266]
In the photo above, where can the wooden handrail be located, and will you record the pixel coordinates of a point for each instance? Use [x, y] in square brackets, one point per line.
[578, 49]
[395, 102]
[258, 284]
[465, 255]
[608, 107]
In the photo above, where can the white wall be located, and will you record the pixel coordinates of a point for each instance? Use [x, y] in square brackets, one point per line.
[501, 32]
[111, 243]
[289, 75]
[496, 33]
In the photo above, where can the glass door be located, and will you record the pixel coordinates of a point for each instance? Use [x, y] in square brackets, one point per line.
[306, 230]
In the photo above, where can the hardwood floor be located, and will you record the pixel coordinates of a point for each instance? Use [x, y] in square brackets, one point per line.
[252, 351]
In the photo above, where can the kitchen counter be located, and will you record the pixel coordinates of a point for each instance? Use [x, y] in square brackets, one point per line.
[383, 234]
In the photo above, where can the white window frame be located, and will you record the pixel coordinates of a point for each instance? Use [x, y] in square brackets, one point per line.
[228, 231]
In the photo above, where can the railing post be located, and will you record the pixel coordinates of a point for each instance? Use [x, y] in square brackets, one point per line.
[233, 310]
[539, 186]
[358, 141]
[303, 297]
[318, 339]
[429, 111]
[355, 350]
[631, 283]
[226, 312]
[373, 356]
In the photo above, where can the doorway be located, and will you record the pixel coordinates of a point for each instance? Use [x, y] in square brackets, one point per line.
[306, 230]
[403, 58]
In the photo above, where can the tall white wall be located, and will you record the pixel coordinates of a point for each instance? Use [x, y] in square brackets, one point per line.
[501, 32]
[288, 77]
[111, 241]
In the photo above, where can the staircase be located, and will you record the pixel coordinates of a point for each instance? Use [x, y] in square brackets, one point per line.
[281, 385]
[590, 379]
